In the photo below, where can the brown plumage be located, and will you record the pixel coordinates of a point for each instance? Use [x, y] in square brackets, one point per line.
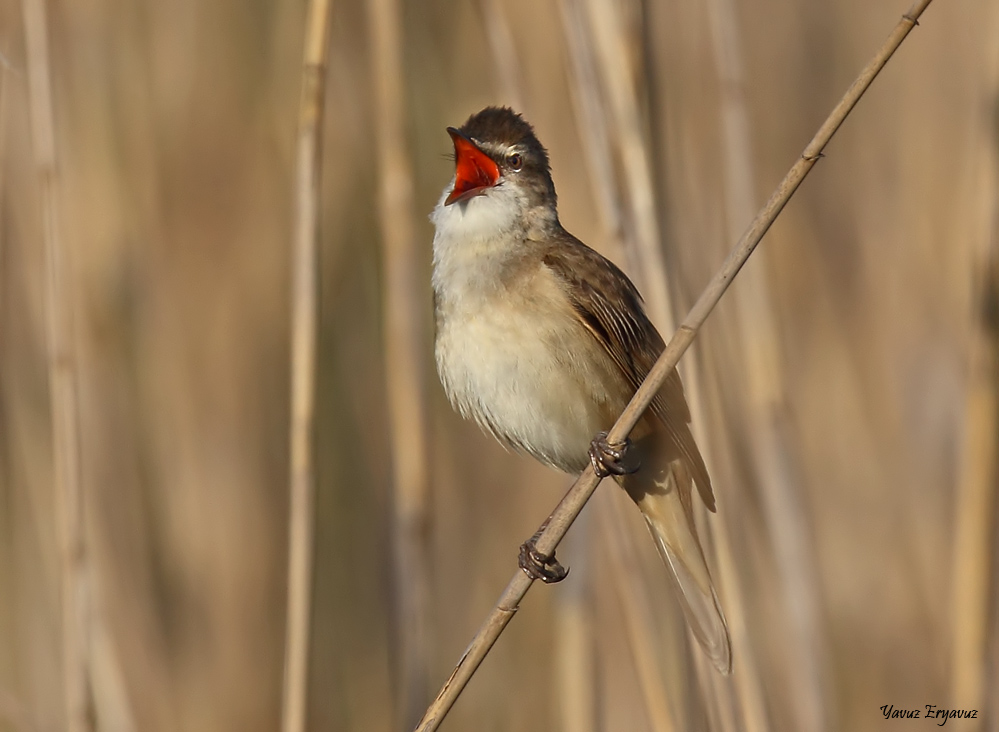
[543, 342]
[612, 310]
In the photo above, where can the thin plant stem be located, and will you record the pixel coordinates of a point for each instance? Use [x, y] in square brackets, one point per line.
[568, 509]
[638, 619]
[575, 642]
[975, 519]
[503, 52]
[304, 314]
[764, 399]
[405, 358]
[4, 93]
[745, 677]
[588, 106]
[642, 236]
[975, 513]
[63, 377]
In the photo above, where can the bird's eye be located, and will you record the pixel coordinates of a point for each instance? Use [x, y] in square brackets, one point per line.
[514, 161]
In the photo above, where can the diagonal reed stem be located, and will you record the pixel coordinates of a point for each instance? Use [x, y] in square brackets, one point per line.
[572, 503]
[304, 316]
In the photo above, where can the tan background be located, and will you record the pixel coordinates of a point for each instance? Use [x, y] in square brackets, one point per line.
[176, 128]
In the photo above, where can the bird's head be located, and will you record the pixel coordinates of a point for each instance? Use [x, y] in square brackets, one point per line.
[499, 160]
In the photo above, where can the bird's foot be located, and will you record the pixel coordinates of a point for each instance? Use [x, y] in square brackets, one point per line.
[611, 458]
[538, 566]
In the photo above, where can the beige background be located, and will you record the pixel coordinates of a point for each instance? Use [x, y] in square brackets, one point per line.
[176, 128]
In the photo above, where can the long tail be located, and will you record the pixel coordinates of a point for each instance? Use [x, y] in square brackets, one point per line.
[665, 504]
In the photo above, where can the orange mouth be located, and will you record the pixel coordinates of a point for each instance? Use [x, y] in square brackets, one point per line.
[474, 170]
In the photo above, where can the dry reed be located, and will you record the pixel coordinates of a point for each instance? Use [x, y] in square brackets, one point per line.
[573, 623]
[974, 563]
[304, 315]
[638, 616]
[765, 403]
[974, 558]
[63, 376]
[404, 335]
[503, 53]
[624, 125]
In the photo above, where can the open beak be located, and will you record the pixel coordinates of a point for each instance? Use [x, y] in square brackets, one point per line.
[474, 170]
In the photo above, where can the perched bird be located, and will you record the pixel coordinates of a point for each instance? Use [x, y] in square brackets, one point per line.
[543, 342]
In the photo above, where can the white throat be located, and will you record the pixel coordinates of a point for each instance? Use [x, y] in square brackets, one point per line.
[475, 240]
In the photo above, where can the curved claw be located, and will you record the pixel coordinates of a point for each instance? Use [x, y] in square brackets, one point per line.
[540, 566]
[610, 459]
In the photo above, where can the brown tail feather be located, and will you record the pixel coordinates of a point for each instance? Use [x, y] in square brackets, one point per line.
[664, 499]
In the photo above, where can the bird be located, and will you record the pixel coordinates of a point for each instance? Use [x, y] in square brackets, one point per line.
[543, 341]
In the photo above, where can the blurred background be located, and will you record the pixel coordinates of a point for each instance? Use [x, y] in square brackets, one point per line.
[844, 392]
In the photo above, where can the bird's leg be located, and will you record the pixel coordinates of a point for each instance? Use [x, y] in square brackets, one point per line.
[607, 459]
[611, 458]
[538, 566]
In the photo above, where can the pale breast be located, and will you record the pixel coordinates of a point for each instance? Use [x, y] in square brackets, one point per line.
[516, 359]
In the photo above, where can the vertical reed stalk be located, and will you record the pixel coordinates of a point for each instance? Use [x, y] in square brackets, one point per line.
[975, 521]
[4, 68]
[588, 108]
[975, 511]
[503, 53]
[575, 642]
[745, 678]
[638, 616]
[63, 377]
[109, 687]
[305, 317]
[405, 359]
[643, 244]
[765, 403]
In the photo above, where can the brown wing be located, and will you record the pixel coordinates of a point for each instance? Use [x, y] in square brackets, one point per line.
[611, 308]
